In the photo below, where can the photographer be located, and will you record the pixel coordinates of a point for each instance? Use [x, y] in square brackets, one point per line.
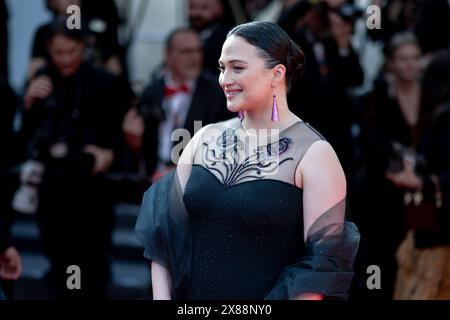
[73, 116]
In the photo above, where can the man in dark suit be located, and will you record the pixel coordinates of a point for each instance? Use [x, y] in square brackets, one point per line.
[181, 96]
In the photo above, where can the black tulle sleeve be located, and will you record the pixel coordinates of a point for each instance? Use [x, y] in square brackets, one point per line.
[163, 229]
[326, 265]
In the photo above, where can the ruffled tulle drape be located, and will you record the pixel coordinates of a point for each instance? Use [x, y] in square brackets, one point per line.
[163, 229]
[326, 264]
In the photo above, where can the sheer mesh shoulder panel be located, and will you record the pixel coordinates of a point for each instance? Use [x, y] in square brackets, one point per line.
[235, 156]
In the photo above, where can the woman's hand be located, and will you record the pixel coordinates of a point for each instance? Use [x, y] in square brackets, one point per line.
[39, 88]
[103, 158]
[406, 179]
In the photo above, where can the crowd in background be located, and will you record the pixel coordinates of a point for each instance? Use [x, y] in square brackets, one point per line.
[78, 125]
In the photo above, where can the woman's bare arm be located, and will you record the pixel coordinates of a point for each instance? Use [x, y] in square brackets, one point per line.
[323, 181]
[161, 282]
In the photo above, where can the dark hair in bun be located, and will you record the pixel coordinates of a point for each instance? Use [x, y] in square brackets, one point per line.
[274, 45]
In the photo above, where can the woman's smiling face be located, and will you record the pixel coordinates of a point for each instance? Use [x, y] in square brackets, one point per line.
[244, 76]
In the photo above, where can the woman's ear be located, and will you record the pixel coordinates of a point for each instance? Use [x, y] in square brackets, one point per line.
[279, 73]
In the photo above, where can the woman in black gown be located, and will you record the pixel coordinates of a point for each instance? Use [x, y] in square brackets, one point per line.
[256, 206]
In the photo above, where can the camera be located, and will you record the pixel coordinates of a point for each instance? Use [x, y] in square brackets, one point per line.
[26, 198]
[60, 140]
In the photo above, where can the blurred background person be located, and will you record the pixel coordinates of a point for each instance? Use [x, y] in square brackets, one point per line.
[424, 256]
[323, 30]
[429, 20]
[389, 115]
[183, 95]
[100, 20]
[208, 19]
[40, 55]
[73, 112]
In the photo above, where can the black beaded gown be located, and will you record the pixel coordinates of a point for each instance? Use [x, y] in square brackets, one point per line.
[242, 231]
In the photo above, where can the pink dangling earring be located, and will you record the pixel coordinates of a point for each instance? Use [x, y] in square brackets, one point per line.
[275, 116]
[241, 115]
